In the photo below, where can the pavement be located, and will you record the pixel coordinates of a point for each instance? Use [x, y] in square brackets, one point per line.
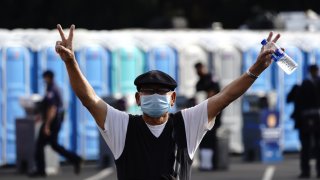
[288, 169]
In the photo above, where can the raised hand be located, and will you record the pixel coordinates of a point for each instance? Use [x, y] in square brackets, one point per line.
[64, 47]
[264, 59]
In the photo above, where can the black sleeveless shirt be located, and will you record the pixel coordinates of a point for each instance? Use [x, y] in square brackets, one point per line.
[146, 157]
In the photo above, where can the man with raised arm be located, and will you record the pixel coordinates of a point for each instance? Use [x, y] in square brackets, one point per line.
[157, 144]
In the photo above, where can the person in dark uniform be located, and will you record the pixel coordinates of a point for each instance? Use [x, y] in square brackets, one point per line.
[205, 82]
[208, 145]
[157, 144]
[292, 97]
[52, 116]
[308, 101]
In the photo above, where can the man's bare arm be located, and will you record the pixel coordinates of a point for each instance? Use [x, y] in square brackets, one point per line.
[239, 86]
[83, 90]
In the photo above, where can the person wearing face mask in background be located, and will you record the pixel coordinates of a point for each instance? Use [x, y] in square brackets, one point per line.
[157, 144]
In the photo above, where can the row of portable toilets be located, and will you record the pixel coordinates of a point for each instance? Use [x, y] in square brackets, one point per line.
[112, 60]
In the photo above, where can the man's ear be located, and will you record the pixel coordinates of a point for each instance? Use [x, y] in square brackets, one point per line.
[137, 96]
[173, 98]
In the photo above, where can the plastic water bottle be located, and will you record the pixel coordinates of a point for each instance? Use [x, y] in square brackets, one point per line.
[285, 62]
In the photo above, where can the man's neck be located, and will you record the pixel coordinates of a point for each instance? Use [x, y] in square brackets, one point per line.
[155, 121]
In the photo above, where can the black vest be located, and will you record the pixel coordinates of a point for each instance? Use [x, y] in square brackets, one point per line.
[146, 157]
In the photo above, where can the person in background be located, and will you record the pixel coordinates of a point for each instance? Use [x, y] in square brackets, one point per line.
[208, 145]
[308, 101]
[292, 97]
[52, 115]
[157, 144]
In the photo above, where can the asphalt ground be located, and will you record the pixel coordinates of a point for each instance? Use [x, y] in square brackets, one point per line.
[288, 169]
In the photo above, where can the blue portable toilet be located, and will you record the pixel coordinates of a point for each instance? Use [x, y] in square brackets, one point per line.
[251, 111]
[127, 63]
[15, 64]
[284, 84]
[264, 83]
[48, 59]
[94, 63]
[164, 58]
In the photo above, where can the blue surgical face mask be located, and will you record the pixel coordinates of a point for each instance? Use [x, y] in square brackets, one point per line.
[155, 105]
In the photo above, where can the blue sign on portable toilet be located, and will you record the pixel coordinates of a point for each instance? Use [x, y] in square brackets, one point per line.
[16, 83]
[127, 63]
[94, 63]
[284, 84]
[270, 144]
[163, 58]
[264, 82]
[48, 59]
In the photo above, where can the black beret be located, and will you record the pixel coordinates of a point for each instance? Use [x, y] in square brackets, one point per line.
[155, 77]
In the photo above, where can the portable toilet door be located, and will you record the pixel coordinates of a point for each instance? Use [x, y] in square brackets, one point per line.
[263, 84]
[94, 64]
[16, 83]
[189, 56]
[284, 84]
[226, 64]
[127, 63]
[163, 58]
[48, 59]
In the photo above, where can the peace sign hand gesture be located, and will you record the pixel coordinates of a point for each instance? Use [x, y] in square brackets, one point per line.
[64, 47]
[264, 58]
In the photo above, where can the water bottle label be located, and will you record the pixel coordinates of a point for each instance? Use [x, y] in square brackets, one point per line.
[288, 63]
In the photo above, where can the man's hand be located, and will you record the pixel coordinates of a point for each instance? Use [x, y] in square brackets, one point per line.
[264, 59]
[64, 47]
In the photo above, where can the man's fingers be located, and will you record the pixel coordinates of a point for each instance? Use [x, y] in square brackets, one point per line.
[70, 37]
[61, 32]
[270, 36]
[276, 38]
[58, 43]
[60, 49]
